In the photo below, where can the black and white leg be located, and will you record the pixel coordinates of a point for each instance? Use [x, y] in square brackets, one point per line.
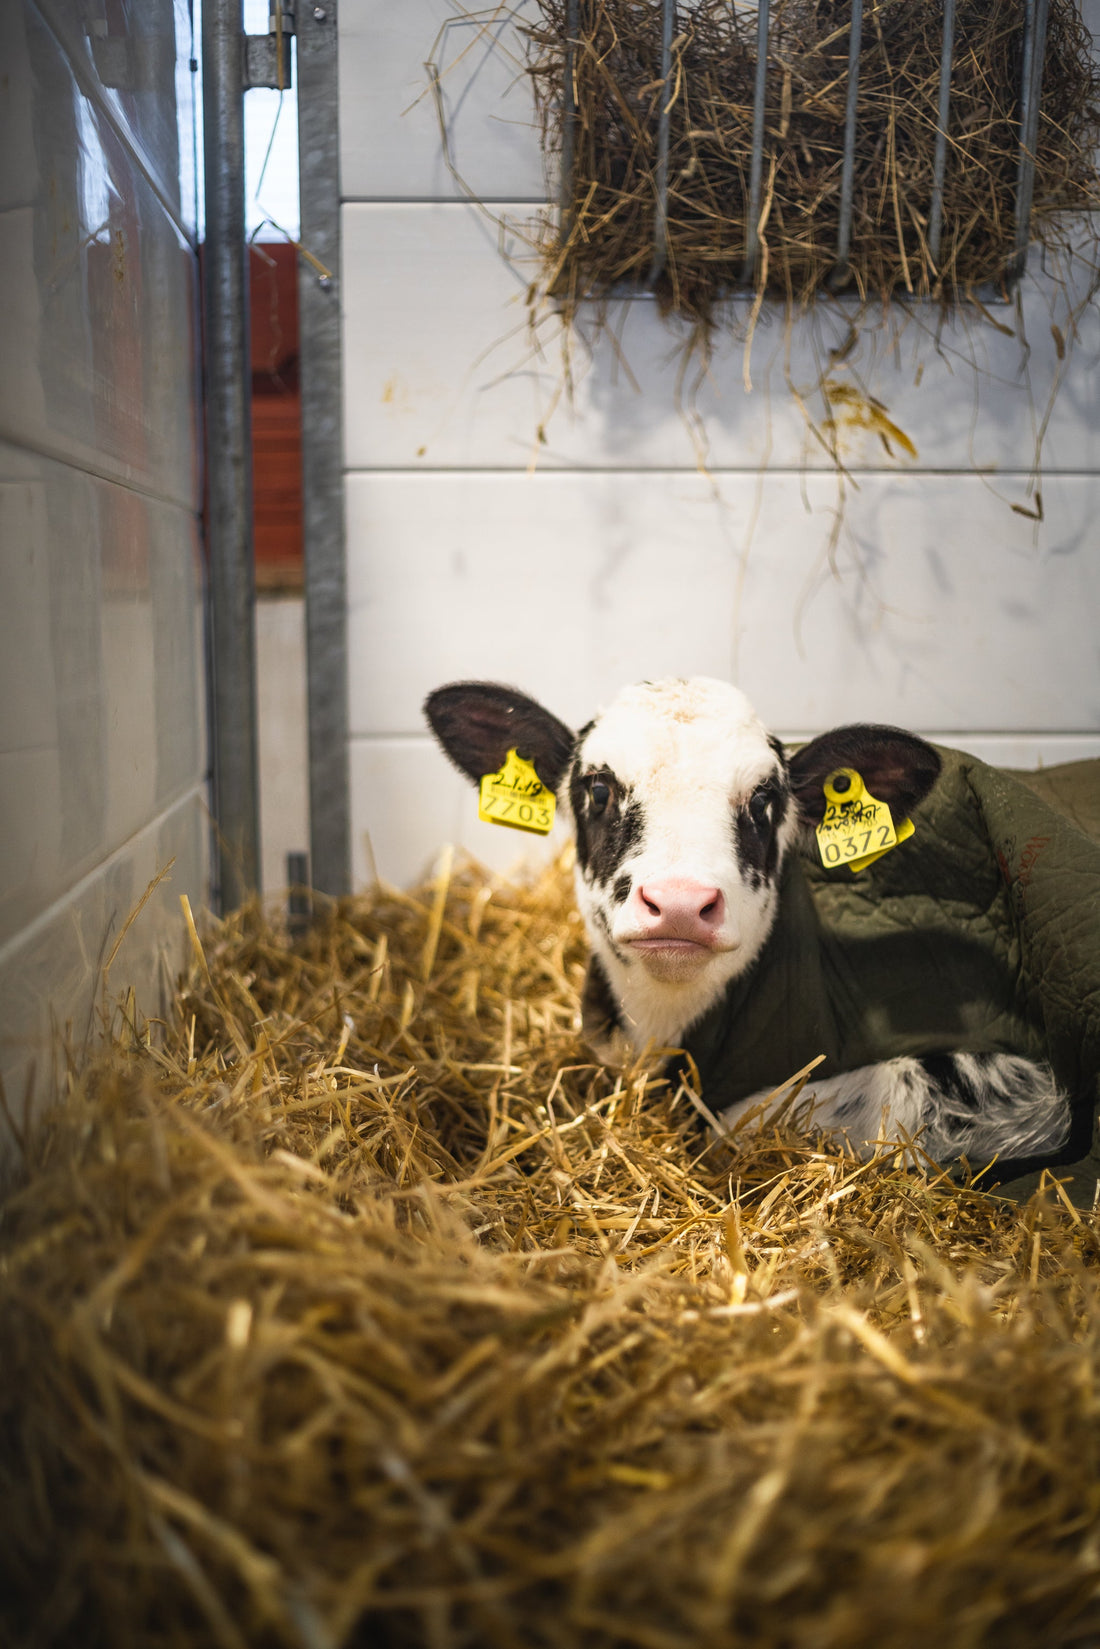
[975, 1105]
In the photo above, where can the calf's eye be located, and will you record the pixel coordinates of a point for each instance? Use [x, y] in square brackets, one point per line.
[760, 803]
[600, 795]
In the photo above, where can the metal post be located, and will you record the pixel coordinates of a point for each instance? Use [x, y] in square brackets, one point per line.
[298, 904]
[1031, 82]
[756, 174]
[569, 118]
[229, 460]
[847, 176]
[320, 345]
[660, 216]
[939, 158]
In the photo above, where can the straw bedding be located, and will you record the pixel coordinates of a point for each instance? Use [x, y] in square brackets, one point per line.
[607, 237]
[359, 1307]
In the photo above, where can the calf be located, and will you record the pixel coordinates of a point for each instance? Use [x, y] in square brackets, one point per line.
[689, 818]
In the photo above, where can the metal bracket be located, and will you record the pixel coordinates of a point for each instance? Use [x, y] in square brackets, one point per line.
[266, 58]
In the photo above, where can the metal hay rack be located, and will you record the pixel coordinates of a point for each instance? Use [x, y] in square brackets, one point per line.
[1032, 56]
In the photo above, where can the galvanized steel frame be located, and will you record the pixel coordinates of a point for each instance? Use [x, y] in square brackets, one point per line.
[321, 376]
[231, 624]
[939, 157]
[1035, 39]
[848, 164]
[228, 411]
[756, 165]
[1035, 29]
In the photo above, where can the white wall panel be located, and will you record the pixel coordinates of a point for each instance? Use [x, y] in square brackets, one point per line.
[444, 371]
[407, 801]
[661, 517]
[283, 761]
[390, 145]
[135, 59]
[51, 973]
[99, 344]
[559, 584]
[100, 666]
[102, 760]
[941, 609]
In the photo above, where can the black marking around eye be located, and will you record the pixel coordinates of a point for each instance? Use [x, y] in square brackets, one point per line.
[606, 839]
[615, 836]
[758, 843]
[578, 801]
[621, 890]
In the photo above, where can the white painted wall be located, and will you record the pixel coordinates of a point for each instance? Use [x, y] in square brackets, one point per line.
[102, 722]
[283, 759]
[602, 550]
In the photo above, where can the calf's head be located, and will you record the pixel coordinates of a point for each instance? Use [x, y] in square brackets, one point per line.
[683, 807]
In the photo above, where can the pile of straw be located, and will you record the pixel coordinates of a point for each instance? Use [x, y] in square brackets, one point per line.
[360, 1307]
[608, 225]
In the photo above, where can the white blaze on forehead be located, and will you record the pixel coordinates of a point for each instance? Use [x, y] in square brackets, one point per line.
[661, 737]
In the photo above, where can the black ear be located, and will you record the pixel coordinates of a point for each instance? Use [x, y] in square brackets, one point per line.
[897, 768]
[478, 722]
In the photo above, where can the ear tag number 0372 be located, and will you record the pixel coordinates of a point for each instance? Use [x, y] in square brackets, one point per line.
[517, 797]
[857, 829]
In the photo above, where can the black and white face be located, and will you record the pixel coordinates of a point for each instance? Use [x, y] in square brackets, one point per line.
[683, 807]
[682, 811]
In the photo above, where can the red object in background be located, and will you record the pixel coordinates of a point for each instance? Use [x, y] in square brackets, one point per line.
[276, 415]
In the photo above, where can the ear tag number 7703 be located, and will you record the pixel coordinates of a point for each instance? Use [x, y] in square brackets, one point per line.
[857, 828]
[516, 797]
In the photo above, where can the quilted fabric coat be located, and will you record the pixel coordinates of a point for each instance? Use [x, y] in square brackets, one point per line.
[981, 932]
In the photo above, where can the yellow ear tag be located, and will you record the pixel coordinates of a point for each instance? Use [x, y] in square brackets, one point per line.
[516, 796]
[857, 829]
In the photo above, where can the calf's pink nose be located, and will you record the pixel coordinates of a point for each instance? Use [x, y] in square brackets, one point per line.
[676, 908]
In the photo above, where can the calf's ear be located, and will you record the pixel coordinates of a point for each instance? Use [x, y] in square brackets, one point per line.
[897, 768]
[478, 722]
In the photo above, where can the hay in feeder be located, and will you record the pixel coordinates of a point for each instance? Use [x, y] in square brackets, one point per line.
[360, 1307]
[609, 237]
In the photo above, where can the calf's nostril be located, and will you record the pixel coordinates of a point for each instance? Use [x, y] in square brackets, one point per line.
[678, 908]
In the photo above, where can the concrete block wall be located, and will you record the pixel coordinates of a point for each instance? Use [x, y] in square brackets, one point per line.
[102, 738]
[497, 531]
